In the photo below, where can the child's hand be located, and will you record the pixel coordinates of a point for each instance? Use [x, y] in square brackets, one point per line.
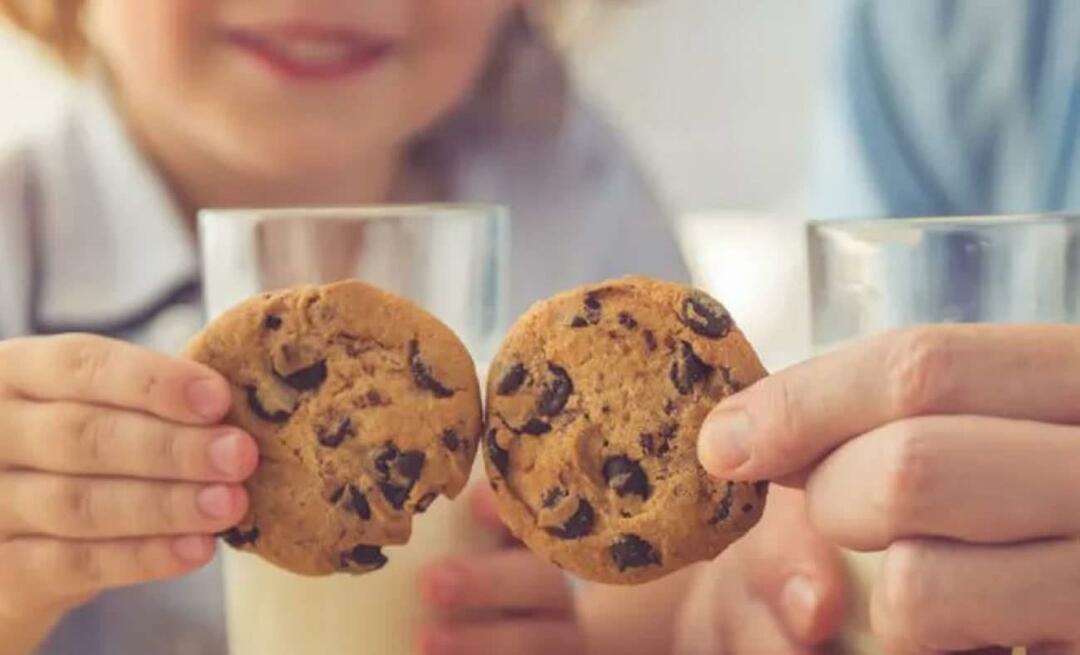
[113, 470]
[507, 601]
[781, 590]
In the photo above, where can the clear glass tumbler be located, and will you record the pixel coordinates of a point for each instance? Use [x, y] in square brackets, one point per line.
[450, 259]
[869, 276]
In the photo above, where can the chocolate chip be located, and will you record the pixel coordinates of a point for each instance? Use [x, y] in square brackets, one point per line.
[451, 440]
[631, 551]
[667, 433]
[278, 416]
[355, 500]
[648, 443]
[627, 321]
[237, 537]
[762, 488]
[358, 503]
[536, 427]
[747, 508]
[385, 456]
[650, 340]
[410, 464]
[272, 322]
[425, 502]
[705, 316]
[395, 494]
[422, 375]
[626, 477]
[334, 439]
[593, 312]
[688, 370]
[723, 511]
[498, 456]
[553, 497]
[307, 379]
[399, 472]
[364, 556]
[556, 392]
[374, 399]
[512, 380]
[578, 525]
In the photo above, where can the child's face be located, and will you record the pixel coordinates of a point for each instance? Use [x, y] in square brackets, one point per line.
[290, 86]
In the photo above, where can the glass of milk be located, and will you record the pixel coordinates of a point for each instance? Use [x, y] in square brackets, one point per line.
[450, 259]
[869, 276]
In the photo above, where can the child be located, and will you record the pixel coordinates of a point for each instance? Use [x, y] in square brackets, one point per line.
[119, 468]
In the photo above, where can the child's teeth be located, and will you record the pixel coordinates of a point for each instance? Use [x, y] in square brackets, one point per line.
[314, 52]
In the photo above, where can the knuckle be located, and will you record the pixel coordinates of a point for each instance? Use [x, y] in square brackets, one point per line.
[89, 359]
[79, 562]
[918, 365]
[72, 507]
[171, 506]
[95, 428]
[172, 455]
[907, 477]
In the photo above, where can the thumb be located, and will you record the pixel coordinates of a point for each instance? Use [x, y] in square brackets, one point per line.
[795, 572]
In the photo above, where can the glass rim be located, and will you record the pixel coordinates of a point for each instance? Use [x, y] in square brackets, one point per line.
[971, 220]
[477, 210]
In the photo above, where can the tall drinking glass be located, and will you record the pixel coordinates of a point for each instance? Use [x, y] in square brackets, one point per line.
[451, 260]
[869, 276]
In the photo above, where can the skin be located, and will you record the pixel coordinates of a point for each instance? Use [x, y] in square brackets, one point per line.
[731, 606]
[117, 470]
[228, 133]
[957, 458]
[87, 422]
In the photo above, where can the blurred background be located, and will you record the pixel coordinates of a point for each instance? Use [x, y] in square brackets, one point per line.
[730, 132]
[727, 131]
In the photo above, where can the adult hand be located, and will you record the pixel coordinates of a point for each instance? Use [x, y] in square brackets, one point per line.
[954, 449]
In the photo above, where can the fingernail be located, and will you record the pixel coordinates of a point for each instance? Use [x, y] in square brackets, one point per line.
[215, 501]
[446, 584]
[194, 549]
[437, 641]
[724, 442]
[208, 398]
[798, 601]
[226, 453]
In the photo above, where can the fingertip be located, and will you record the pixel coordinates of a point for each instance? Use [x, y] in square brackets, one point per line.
[234, 454]
[724, 442]
[208, 396]
[193, 550]
[436, 640]
[442, 583]
[812, 609]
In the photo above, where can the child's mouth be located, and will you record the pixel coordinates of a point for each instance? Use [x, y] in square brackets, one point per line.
[308, 52]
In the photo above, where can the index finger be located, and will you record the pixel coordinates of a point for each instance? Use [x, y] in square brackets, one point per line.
[97, 370]
[783, 424]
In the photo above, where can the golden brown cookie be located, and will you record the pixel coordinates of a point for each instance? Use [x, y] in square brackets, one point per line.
[595, 400]
[366, 408]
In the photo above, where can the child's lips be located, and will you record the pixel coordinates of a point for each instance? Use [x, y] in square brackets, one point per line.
[304, 51]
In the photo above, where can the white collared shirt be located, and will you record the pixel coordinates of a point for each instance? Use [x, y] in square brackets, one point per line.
[90, 240]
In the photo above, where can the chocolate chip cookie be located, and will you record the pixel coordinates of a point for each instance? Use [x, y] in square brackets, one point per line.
[594, 403]
[366, 409]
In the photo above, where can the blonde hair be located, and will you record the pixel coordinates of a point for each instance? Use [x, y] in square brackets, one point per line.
[56, 24]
